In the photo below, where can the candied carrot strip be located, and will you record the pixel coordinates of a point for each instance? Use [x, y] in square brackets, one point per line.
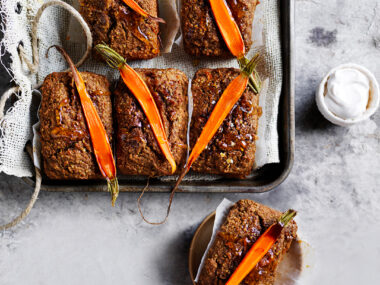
[222, 108]
[260, 248]
[137, 8]
[142, 93]
[228, 27]
[98, 134]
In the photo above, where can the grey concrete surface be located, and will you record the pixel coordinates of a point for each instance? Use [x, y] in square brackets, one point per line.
[76, 238]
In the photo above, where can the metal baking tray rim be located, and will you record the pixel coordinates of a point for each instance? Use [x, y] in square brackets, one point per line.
[224, 185]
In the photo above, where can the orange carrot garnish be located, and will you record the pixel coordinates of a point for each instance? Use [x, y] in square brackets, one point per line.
[260, 248]
[228, 27]
[142, 93]
[228, 99]
[232, 37]
[137, 8]
[223, 107]
[99, 138]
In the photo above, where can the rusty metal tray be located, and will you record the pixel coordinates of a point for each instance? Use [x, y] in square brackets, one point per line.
[263, 179]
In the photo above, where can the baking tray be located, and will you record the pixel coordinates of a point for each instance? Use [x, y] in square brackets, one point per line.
[264, 179]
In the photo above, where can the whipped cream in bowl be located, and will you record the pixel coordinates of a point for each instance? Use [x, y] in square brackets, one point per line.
[348, 94]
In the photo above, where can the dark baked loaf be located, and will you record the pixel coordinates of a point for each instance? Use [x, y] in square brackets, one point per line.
[124, 30]
[245, 222]
[66, 144]
[231, 152]
[201, 36]
[138, 152]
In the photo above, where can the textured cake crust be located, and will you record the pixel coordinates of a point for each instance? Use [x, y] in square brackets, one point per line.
[231, 152]
[128, 33]
[201, 35]
[245, 222]
[138, 152]
[66, 145]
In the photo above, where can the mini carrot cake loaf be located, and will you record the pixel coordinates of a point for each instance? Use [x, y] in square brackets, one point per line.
[66, 144]
[245, 223]
[137, 151]
[127, 32]
[231, 152]
[201, 36]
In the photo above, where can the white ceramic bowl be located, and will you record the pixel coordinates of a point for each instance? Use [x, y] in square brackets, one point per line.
[374, 97]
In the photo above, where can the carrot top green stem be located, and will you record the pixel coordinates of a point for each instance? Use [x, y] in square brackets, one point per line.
[287, 217]
[100, 142]
[254, 78]
[112, 58]
[113, 188]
